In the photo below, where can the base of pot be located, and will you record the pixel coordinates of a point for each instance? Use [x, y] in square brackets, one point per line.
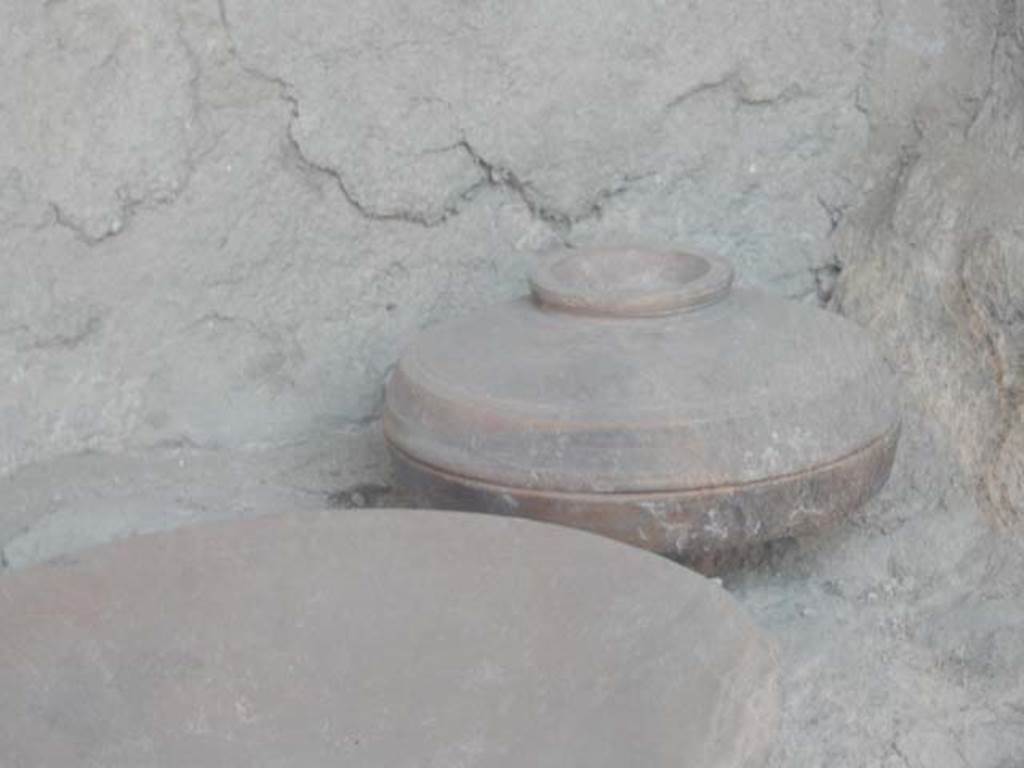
[706, 528]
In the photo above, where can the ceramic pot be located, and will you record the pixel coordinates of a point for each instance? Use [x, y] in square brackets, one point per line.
[639, 394]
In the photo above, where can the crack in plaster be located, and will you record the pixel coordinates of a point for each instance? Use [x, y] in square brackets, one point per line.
[129, 204]
[492, 174]
[733, 82]
[298, 153]
[826, 275]
[727, 80]
[61, 219]
[990, 88]
[72, 340]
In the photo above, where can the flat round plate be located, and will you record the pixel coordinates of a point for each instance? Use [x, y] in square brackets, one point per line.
[374, 639]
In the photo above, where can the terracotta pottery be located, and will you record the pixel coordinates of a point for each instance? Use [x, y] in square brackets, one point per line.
[640, 395]
[378, 639]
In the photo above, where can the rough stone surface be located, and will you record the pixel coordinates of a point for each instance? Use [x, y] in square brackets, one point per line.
[320, 639]
[939, 264]
[936, 268]
[53, 508]
[902, 635]
[220, 221]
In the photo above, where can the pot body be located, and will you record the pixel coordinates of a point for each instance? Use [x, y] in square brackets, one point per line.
[707, 529]
[638, 395]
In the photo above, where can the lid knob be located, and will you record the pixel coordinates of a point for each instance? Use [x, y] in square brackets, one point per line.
[629, 282]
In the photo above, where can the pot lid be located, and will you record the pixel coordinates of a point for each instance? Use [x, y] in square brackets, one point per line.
[378, 638]
[632, 371]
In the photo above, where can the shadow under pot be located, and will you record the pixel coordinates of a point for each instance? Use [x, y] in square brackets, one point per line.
[640, 395]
